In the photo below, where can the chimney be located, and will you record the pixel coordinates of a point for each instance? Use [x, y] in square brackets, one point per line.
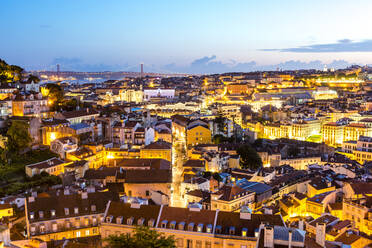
[269, 237]
[320, 234]
[84, 195]
[290, 238]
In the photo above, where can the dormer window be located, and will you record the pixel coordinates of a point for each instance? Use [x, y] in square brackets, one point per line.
[54, 226]
[67, 211]
[181, 225]
[164, 224]
[53, 213]
[172, 225]
[218, 229]
[232, 230]
[151, 223]
[41, 214]
[32, 215]
[109, 219]
[76, 210]
[244, 232]
[130, 221]
[200, 228]
[209, 228]
[119, 219]
[93, 208]
[190, 227]
[140, 221]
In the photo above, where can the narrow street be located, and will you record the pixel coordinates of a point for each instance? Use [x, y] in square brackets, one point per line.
[178, 154]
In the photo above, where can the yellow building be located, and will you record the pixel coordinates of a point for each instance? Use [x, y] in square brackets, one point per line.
[358, 212]
[158, 149]
[332, 134]
[198, 133]
[53, 166]
[354, 130]
[6, 210]
[191, 227]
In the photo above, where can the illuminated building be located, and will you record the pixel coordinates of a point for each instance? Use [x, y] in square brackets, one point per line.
[131, 95]
[324, 94]
[148, 94]
[301, 163]
[359, 212]
[66, 216]
[354, 130]
[316, 205]
[191, 227]
[232, 198]
[238, 89]
[30, 105]
[77, 116]
[332, 133]
[198, 132]
[158, 149]
[6, 210]
[53, 166]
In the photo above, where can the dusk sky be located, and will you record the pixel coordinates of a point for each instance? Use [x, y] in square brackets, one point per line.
[185, 36]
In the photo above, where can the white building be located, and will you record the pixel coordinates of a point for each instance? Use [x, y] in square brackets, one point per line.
[155, 93]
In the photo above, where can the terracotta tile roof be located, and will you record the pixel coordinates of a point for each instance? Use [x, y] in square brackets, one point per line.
[159, 145]
[155, 163]
[148, 176]
[231, 219]
[361, 188]
[78, 113]
[230, 192]
[46, 164]
[126, 210]
[194, 163]
[72, 201]
[188, 216]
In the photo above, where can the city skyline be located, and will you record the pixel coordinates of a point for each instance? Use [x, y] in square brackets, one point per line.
[185, 37]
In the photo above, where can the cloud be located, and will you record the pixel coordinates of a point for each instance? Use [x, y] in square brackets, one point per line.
[203, 65]
[210, 65]
[344, 45]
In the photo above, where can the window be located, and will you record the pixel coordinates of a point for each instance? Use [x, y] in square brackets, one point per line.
[78, 234]
[93, 208]
[164, 224]
[32, 215]
[198, 244]
[147, 193]
[53, 213]
[208, 244]
[67, 211]
[179, 242]
[76, 210]
[87, 233]
[129, 193]
[189, 243]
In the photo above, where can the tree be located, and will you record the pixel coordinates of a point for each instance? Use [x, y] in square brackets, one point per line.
[142, 237]
[249, 158]
[54, 94]
[18, 136]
